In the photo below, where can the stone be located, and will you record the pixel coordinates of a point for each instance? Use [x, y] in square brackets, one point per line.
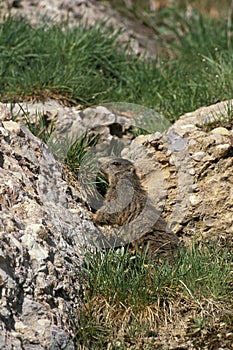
[198, 156]
[220, 130]
[194, 199]
[192, 172]
[222, 150]
[11, 126]
[197, 180]
[4, 113]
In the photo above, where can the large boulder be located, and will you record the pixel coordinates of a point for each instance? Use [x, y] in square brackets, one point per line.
[43, 232]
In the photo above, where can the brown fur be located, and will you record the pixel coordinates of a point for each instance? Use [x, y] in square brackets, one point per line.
[127, 205]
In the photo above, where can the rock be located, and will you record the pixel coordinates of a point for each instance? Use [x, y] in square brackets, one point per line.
[204, 166]
[192, 171]
[198, 156]
[111, 125]
[220, 130]
[173, 165]
[222, 150]
[11, 126]
[197, 119]
[41, 246]
[4, 113]
[194, 199]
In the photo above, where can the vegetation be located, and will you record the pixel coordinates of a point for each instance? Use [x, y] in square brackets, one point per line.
[127, 300]
[215, 120]
[85, 66]
[82, 162]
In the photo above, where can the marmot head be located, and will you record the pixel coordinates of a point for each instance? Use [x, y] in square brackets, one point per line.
[115, 169]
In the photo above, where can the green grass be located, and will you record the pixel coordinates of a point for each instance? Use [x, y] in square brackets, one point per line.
[123, 290]
[82, 162]
[87, 66]
[39, 125]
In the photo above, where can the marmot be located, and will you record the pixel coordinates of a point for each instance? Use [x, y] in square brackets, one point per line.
[128, 208]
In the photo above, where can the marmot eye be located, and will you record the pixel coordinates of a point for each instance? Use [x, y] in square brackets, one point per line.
[116, 163]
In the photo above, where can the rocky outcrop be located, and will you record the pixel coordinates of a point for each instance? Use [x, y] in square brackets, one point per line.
[186, 169]
[45, 228]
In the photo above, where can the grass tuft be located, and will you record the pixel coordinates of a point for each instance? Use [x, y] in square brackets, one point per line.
[218, 119]
[82, 162]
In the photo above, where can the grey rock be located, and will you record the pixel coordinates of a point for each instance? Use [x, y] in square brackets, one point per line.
[198, 156]
[41, 247]
[175, 141]
[193, 187]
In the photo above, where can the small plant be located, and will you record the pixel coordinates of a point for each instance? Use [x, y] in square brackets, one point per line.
[82, 162]
[39, 125]
[218, 119]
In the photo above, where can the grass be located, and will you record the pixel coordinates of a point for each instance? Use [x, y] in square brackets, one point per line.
[39, 125]
[127, 300]
[87, 66]
[218, 119]
[82, 163]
